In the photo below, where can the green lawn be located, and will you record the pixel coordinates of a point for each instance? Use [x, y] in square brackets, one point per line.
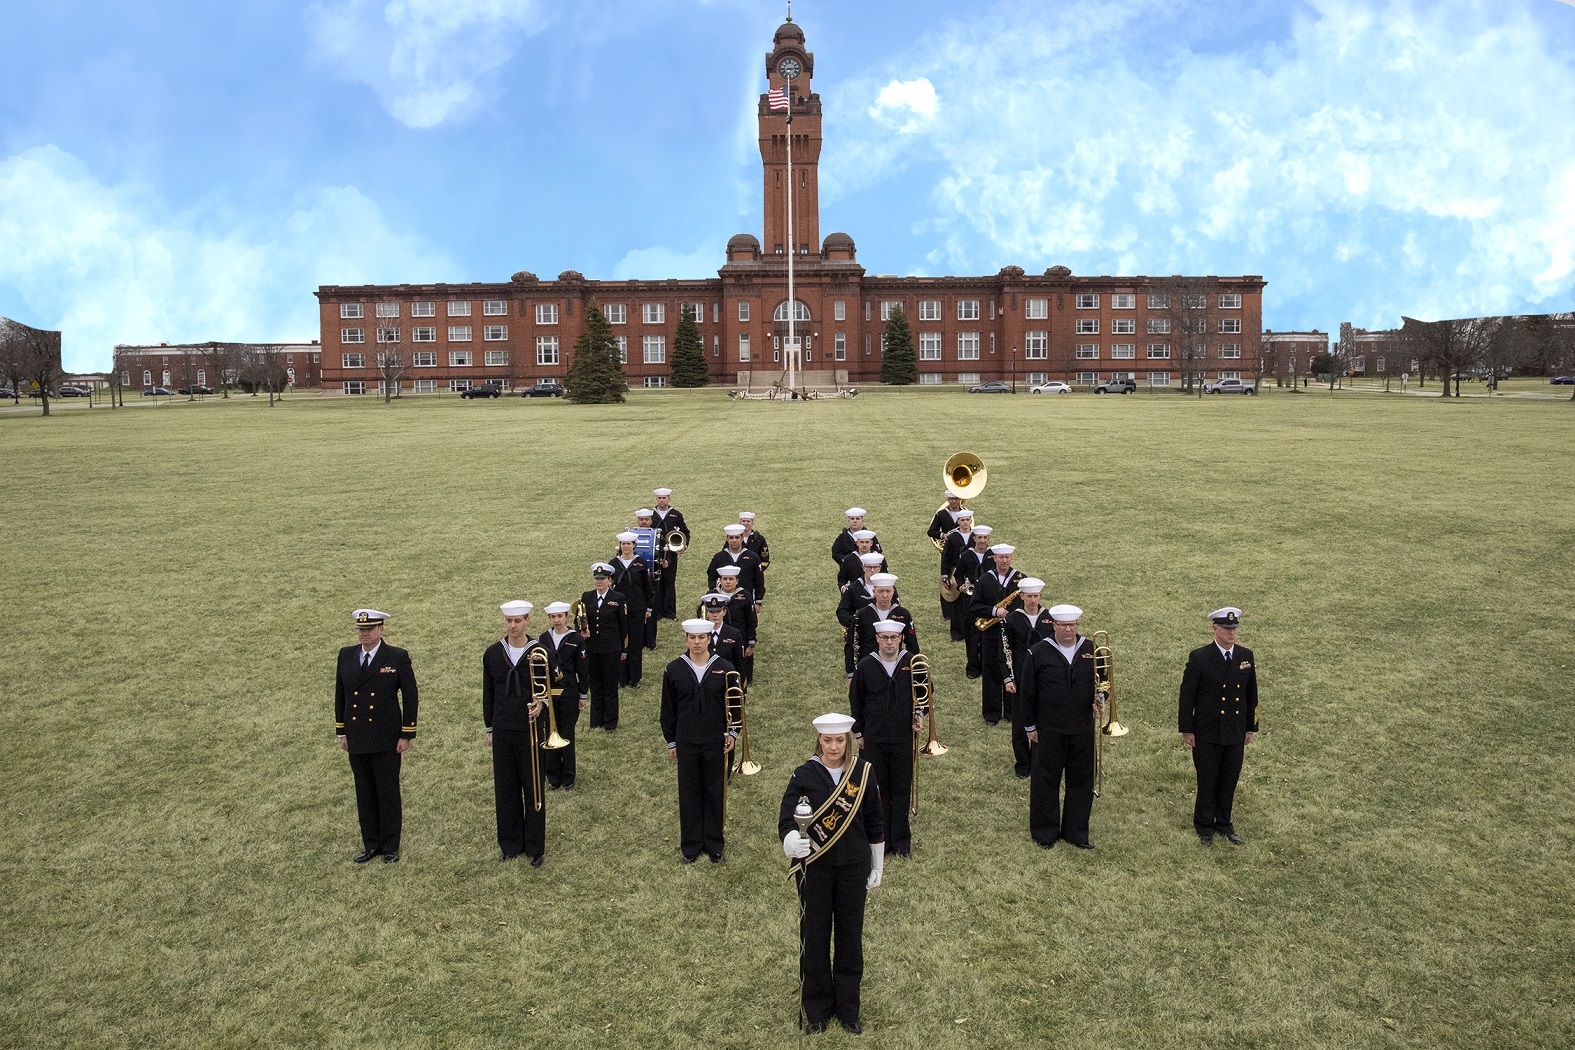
[178, 821]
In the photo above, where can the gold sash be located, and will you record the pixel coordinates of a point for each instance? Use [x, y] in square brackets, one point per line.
[833, 818]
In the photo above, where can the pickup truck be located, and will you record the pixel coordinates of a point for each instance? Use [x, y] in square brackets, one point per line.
[1116, 386]
[1229, 386]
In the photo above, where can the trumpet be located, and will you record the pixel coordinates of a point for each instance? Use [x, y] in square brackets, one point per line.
[919, 688]
[747, 766]
[733, 700]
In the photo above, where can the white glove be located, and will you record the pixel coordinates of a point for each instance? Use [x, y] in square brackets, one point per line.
[877, 864]
[796, 846]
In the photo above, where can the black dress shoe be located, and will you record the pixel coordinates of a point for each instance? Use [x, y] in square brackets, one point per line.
[553, 785]
[364, 856]
[689, 860]
[1085, 844]
[505, 858]
[853, 1027]
[569, 786]
[391, 857]
[535, 861]
[717, 858]
[1206, 837]
[1233, 838]
[815, 1028]
[1046, 845]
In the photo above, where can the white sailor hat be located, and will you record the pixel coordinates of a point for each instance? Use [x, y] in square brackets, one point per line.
[1003, 548]
[889, 627]
[516, 608]
[951, 493]
[714, 602]
[627, 537]
[662, 492]
[873, 558]
[1032, 585]
[1065, 613]
[1230, 616]
[746, 515]
[832, 724]
[558, 607]
[729, 571]
[855, 512]
[365, 619]
[697, 626]
[601, 568]
[733, 530]
[883, 579]
[863, 534]
[645, 512]
[964, 513]
[982, 530]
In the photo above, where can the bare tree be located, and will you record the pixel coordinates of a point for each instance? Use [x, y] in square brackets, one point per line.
[392, 359]
[1269, 359]
[120, 364]
[262, 368]
[1191, 310]
[37, 356]
[1453, 347]
[220, 360]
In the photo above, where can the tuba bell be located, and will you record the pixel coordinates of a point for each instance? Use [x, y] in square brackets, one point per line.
[675, 542]
[965, 474]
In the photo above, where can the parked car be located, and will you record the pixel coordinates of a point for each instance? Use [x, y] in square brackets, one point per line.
[195, 388]
[484, 390]
[157, 391]
[1116, 386]
[1229, 386]
[10, 395]
[551, 388]
[74, 391]
[994, 386]
[1556, 381]
[1052, 387]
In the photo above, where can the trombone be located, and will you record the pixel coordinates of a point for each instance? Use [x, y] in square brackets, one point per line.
[746, 765]
[733, 701]
[541, 692]
[923, 707]
[1105, 695]
[675, 542]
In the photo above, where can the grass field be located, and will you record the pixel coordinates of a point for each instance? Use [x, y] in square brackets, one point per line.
[178, 821]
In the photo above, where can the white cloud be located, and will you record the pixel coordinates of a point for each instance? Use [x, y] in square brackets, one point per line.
[116, 264]
[424, 58]
[1386, 156]
[906, 105]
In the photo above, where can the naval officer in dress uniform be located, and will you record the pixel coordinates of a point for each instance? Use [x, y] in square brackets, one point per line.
[1217, 718]
[375, 729]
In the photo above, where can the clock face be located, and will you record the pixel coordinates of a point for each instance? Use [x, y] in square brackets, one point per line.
[789, 68]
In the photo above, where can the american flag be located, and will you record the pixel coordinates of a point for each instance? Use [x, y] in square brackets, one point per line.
[778, 98]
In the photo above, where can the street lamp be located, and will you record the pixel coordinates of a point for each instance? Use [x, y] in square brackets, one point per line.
[1014, 369]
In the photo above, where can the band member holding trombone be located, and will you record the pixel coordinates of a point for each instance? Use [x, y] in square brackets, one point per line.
[698, 728]
[570, 691]
[830, 825]
[995, 594]
[881, 696]
[371, 679]
[510, 705]
[667, 519]
[1057, 706]
[1024, 627]
[1217, 733]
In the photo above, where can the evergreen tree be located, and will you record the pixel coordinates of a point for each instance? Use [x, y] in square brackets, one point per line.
[689, 364]
[595, 376]
[898, 364]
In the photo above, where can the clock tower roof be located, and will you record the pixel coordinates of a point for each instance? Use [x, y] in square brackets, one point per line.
[788, 31]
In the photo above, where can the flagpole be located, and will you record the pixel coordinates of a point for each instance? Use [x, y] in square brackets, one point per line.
[792, 341]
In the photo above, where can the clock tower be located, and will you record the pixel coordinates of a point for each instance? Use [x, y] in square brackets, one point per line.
[789, 68]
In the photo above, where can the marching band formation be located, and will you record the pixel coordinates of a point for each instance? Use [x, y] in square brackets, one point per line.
[849, 806]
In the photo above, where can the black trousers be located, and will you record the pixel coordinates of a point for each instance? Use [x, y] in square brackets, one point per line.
[558, 764]
[832, 897]
[701, 773]
[893, 765]
[1219, 768]
[1058, 755]
[992, 666]
[377, 802]
[953, 614]
[667, 591]
[970, 641]
[522, 826]
[650, 629]
[1022, 749]
[603, 669]
[633, 665]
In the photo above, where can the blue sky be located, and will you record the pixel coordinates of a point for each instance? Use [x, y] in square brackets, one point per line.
[184, 170]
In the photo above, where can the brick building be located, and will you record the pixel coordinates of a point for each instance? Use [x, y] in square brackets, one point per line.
[213, 364]
[1011, 325]
[1287, 356]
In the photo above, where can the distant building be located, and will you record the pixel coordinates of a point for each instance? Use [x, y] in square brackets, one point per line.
[1011, 325]
[1288, 356]
[175, 365]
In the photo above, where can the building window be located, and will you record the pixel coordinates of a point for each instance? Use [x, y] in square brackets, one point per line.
[423, 309]
[1086, 378]
[546, 349]
[459, 333]
[887, 307]
[653, 313]
[866, 309]
[743, 310]
[1230, 375]
[622, 342]
[967, 346]
[929, 346]
[697, 311]
[388, 335]
[1233, 352]
[839, 310]
[349, 310]
[1230, 300]
[1159, 326]
[967, 309]
[423, 334]
[1123, 351]
[459, 358]
[391, 359]
[1230, 326]
[800, 312]
[930, 379]
[495, 332]
[388, 386]
[1088, 326]
[1036, 345]
[655, 349]
[546, 313]
[456, 385]
[1158, 352]
[655, 381]
[1123, 326]
[1194, 300]
[1158, 302]
[352, 360]
[495, 307]
[1088, 300]
[388, 309]
[1123, 375]
[839, 343]
[1159, 379]
[1034, 378]
[1381, 369]
[425, 386]
[424, 359]
[352, 335]
[1123, 301]
[1036, 309]
[867, 344]
[616, 313]
[459, 308]
[496, 358]
[967, 377]
[1087, 351]
[147, 377]
[202, 377]
[353, 386]
[743, 346]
